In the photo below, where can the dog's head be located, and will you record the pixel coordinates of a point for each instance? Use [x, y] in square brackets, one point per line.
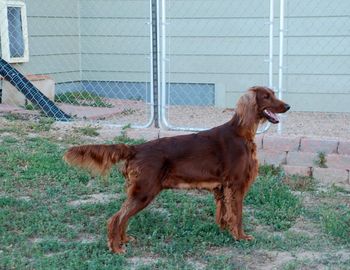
[260, 104]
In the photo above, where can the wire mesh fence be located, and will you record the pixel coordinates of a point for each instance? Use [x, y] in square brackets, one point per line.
[215, 50]
[92, 58]
[317, 55]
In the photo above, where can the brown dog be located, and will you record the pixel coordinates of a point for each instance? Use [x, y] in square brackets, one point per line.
[222, 160]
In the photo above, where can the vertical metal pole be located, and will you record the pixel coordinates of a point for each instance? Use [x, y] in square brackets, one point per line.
[280, 65]
[163, 65]
[155, 61]
[271, 44]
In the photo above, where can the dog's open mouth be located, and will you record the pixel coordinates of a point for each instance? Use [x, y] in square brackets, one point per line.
[270, 116]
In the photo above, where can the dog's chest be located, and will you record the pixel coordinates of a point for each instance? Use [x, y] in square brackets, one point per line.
[253, 165]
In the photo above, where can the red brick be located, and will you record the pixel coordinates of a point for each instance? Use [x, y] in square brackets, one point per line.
[271, 157]
[338, 161]
[331, 176]
[344, 148]
[318, 145]
[301, 159]
[297, 170]
[278, 143]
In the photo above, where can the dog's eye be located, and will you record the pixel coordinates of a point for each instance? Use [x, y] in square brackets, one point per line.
[266, 96]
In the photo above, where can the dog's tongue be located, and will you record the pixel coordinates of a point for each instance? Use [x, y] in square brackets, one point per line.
[272, 115]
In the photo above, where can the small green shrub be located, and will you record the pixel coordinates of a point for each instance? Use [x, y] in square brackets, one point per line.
[82, 98]
[321, 160]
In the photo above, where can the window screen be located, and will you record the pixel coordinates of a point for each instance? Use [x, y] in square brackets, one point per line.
[15, 32]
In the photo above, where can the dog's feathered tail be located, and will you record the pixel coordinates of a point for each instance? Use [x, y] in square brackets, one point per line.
[98, 158]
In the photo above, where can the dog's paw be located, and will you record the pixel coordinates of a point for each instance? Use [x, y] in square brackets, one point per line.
[246, 237]
[117, 249]
[128, 239]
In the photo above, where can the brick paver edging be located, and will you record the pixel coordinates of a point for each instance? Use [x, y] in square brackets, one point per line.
[326, 160]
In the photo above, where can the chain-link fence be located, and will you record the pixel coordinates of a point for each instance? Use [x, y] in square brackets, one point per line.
[317, 55]
[94, 60]
[91, 58]
[215, 50]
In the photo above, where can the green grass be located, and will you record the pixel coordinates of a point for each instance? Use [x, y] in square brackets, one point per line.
[88, 131]
[41, 229]
[336, 222]
[273, 200]
[82, 98]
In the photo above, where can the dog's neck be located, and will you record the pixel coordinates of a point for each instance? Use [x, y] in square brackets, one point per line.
[245, 129]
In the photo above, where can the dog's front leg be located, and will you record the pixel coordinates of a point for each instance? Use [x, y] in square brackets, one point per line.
[233, 199]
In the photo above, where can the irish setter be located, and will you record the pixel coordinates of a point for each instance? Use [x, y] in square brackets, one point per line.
[221, 160]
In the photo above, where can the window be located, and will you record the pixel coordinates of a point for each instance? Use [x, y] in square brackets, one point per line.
[14, 32]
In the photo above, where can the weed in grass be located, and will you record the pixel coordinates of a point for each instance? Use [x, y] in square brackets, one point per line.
[123, 137]
[336, 222]
[31, 107]
[300, 183]
[275, 204]
[88, 131]
[126, 112]
[334, 188]
[82, 98]
[44, 124]
[321, 160]
[14, 116]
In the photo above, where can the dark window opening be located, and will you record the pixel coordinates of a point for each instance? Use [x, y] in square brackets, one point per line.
[15, 32]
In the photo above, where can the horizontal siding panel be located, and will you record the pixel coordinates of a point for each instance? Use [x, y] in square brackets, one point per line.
[317, 84]
[131, 63]
[222, 28]
[217, 9]
[318, 65]
[113, 8]
[66, 77]
[49, 8]
[318, 103]
[115, 45]
[318, 26]
[219, 46]
[219, 64]
[89, 75]
[53, 64]
[53, 26]
[318, 46]
[114, 27]
[54, 45]
[318, 8]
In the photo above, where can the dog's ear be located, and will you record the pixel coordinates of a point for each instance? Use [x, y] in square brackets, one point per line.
[247, 108]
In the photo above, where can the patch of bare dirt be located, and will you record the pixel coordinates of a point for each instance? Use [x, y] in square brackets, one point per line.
[145, 260]
[94, 198]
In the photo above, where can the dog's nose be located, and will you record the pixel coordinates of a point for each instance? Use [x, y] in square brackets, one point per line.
[286, 107]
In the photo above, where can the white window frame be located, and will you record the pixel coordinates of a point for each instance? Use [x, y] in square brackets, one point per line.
[4, 35]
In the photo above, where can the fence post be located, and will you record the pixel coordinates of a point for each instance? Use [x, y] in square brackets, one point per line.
[155, 60]
[280, 65]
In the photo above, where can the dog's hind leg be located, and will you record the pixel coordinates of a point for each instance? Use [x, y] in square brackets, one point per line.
[137, 200]
[220, 207]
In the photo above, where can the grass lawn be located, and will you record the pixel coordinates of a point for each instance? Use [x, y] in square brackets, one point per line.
[54, 217]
